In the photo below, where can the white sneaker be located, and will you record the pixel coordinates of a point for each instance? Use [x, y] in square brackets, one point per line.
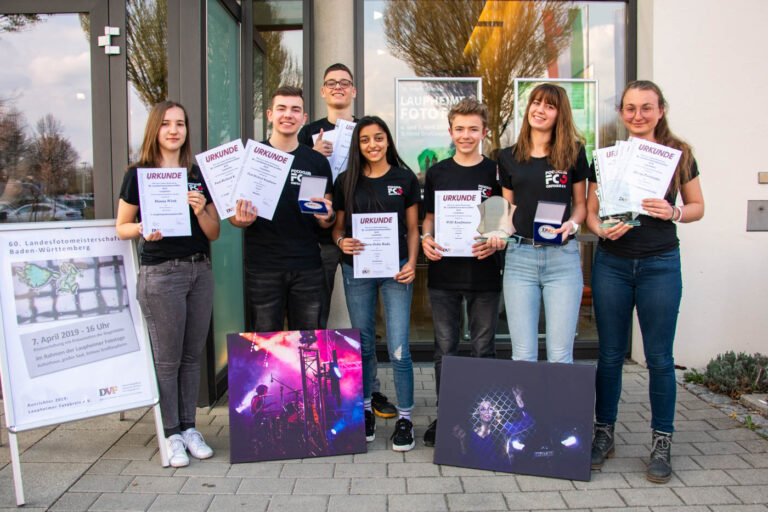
[195, 443]
[177, 453]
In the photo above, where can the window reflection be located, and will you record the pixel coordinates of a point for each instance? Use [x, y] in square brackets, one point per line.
[279, 23]
[46, 146]
[497, 41]
[146, 65]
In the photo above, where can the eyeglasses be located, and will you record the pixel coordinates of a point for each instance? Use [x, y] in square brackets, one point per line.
[645, 110]
[343, 84]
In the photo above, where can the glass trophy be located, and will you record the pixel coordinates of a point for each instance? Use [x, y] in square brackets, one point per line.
[496, 219]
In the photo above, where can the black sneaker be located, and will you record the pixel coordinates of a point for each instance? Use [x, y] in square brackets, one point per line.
[430, 434]
[402, 437]
[370, 426]
[660, 469]
[603, 445]
[382, 407]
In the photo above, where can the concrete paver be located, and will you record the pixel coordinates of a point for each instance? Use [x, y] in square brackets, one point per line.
[108, 464]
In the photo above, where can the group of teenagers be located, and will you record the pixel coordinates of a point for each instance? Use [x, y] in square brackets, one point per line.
[291, 261]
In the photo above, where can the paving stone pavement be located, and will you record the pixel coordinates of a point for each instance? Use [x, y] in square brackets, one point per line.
[105, 464]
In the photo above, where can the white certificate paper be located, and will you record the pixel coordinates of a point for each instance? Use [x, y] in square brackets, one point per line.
[381, 255]
[649, 170]
[163, 201]
[456, 221]
[262, 178]
[340, 157]
[220, 167]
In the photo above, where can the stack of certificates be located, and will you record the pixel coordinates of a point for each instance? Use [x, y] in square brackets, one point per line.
[629, 172]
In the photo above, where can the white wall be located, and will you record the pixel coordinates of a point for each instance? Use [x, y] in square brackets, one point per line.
[708, 56]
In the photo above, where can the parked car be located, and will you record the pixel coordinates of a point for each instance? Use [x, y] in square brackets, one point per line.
[38, 212]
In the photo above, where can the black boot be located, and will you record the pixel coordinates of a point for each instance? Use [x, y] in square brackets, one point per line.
[603, 445]
[659, 469]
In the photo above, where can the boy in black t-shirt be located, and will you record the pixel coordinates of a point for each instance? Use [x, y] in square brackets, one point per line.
[282, 257]
[475, 279]
[338, 91]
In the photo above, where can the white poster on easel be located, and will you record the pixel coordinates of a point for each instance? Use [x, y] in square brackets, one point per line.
[73, 343]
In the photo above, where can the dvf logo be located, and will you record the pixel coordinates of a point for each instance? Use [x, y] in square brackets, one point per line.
[108, 391]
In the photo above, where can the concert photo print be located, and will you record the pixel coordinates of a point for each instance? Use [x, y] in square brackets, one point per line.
[295, 394]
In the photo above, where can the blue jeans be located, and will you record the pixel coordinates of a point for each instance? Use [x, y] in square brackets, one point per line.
[362, 295]
[554, 273]
[654, 286]
[176, 298]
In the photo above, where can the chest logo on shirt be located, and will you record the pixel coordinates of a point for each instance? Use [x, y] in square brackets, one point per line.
[296, 175]
[555, 179]
[195, 187]
[395, 190]
[485, 191]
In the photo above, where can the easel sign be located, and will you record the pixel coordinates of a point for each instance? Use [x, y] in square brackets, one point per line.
[73, 343]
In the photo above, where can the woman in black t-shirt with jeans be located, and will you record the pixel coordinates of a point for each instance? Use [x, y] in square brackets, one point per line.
[377, 181]
[548, 163]
[175, 286]
[639, 267]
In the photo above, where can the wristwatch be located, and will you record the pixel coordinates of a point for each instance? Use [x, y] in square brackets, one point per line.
[575, 228]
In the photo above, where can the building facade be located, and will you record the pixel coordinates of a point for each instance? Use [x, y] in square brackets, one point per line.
[80, 76]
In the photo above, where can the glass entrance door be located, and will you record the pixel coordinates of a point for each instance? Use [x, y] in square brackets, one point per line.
[56, 129]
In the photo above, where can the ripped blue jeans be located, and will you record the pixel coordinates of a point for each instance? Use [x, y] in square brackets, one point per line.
[362, 295]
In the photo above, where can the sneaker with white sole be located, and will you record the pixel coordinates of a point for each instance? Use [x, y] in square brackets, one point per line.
[402, 437]
[177, 452]
[195, 443]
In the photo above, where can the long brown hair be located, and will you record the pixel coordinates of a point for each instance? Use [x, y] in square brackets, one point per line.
[565, 142]
[357, 162]
[663, 135]
[150, 149]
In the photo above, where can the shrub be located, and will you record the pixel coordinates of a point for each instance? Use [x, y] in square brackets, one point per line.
[734, 374]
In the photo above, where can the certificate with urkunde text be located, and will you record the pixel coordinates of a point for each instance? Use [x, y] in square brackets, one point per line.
[456, 220]
[381, 255]
[262, 178]
[220, 167]
[163, 201]
[649, 170]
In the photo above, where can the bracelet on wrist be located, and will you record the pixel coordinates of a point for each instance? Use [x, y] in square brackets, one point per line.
[679, 211]
[425, 235]
[338, 241]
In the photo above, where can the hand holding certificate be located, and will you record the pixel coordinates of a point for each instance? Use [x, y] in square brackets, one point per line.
[341, 144]
[262, 178]
[220, 167]
[163, 201]
[380, 254]
[456, 220]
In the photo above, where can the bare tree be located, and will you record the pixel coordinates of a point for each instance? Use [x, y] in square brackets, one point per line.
[13, 142]
[52, 159]
[146, 48]
[497, 41]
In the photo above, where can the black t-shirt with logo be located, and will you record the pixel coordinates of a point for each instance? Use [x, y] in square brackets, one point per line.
[169, 248]
[536, 181]
[652, 237]
[394, 192]
[468, 274]
[289, 240]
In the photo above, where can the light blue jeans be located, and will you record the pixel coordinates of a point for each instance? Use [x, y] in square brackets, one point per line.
[362, 295]
[554, 273]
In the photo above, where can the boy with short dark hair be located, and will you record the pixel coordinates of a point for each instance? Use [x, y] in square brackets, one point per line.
[283, 271]
[475, 279]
